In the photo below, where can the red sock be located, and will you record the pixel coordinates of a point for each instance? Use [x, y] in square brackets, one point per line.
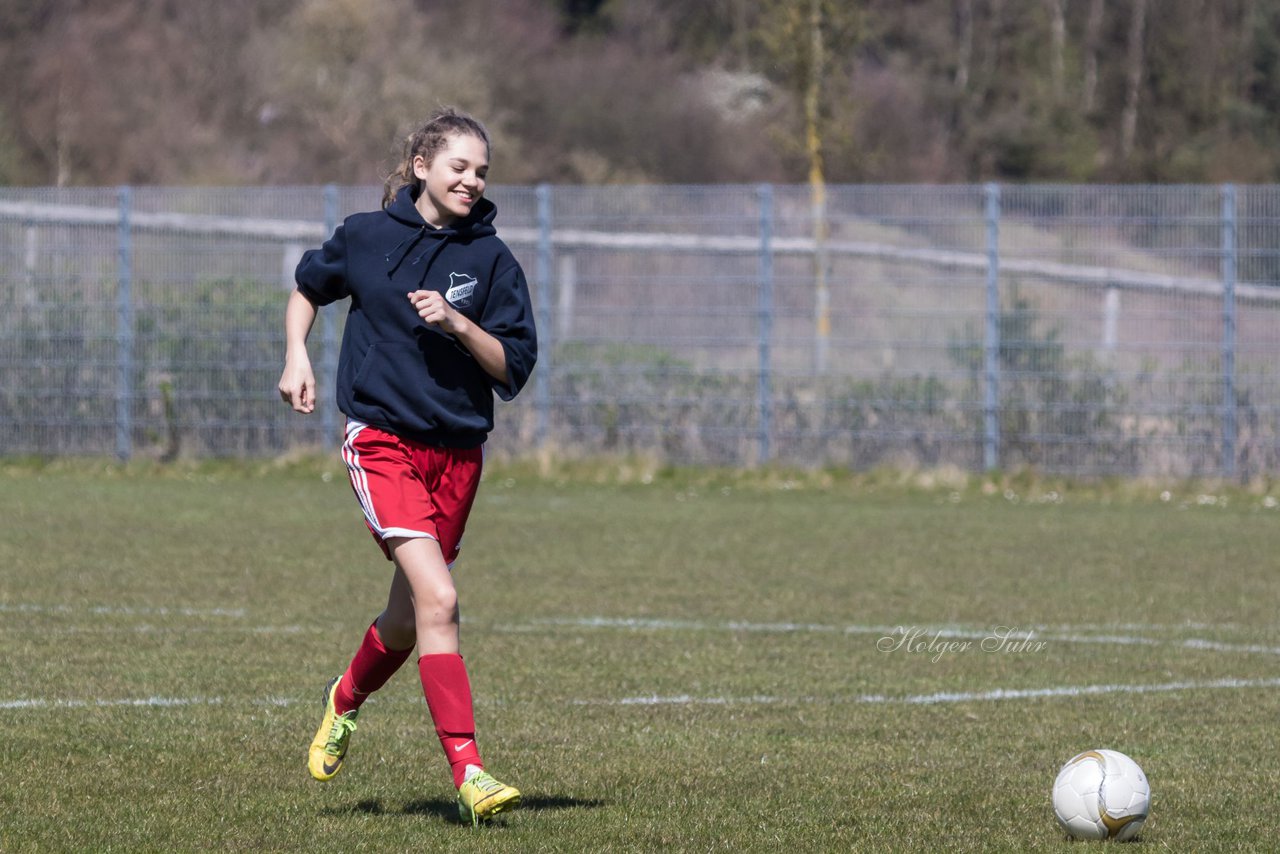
[448, 692]
[368, 671]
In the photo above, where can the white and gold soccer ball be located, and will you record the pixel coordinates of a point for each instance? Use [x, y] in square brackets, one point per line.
[1101, 794]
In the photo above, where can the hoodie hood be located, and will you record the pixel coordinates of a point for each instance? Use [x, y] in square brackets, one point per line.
[403, 209]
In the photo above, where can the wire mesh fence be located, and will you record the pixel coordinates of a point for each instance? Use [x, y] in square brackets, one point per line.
[1083, 330]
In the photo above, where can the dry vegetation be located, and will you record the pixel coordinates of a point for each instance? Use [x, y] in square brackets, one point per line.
[607, 91]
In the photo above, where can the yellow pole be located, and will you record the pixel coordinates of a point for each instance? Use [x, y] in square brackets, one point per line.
[817, 190]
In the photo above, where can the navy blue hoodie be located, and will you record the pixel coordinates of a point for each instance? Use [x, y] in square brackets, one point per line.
[395, 371]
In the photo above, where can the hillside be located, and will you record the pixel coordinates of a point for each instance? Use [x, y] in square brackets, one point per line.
[241, 92]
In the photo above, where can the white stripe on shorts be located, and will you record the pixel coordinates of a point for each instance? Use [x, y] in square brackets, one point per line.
[359, 481]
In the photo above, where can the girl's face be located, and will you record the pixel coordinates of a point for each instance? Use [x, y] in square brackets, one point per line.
[453, 181]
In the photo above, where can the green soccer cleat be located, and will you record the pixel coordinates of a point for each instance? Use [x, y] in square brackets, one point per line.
[330, 744]
[481, 797]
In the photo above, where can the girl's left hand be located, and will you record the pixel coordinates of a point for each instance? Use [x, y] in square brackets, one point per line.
[435, 310]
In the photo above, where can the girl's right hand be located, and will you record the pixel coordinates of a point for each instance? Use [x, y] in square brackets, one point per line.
[298, 385]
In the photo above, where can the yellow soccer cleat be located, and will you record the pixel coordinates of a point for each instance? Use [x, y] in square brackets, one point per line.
[481, 797]
[330, 744]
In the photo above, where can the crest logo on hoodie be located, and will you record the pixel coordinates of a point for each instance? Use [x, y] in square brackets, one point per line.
[461, 289]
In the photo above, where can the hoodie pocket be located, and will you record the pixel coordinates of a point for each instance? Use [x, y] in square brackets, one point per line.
[393, 385]
[420, 388]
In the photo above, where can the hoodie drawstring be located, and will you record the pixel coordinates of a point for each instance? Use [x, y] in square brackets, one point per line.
[412, 240]
[444, 238]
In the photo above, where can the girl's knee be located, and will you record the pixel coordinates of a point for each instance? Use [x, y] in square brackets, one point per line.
[439, 601]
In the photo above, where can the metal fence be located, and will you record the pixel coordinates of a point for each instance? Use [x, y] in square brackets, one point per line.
[1073, 329]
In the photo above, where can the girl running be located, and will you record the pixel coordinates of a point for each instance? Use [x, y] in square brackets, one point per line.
[440, 320]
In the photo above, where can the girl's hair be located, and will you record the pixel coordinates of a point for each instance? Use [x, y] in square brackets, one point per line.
[428, 140]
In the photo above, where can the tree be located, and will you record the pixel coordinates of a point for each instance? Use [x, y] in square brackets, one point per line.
[800, 35]
[1133, 78]
[1092, 44]
[1057, 45]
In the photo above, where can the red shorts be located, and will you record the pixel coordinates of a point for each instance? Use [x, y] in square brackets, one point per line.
[408, 489]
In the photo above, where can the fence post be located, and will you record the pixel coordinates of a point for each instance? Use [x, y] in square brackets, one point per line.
[1229, 250]
[991, 338]
[329, 332]
[124, 325]
[764, 393]
[566, 283]
[546, 337]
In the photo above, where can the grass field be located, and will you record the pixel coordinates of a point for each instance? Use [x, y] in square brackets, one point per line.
[683, 661]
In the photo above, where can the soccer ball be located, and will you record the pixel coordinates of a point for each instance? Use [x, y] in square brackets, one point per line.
[1101, 794]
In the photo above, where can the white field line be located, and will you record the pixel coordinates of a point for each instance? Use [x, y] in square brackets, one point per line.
[629, 622]
[1188, 626]
[138, 702]
[185, 631]
[153, 702]
[896, 632]
[644, 623]
[117, 611]
[1061, 633]
[941, 698]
